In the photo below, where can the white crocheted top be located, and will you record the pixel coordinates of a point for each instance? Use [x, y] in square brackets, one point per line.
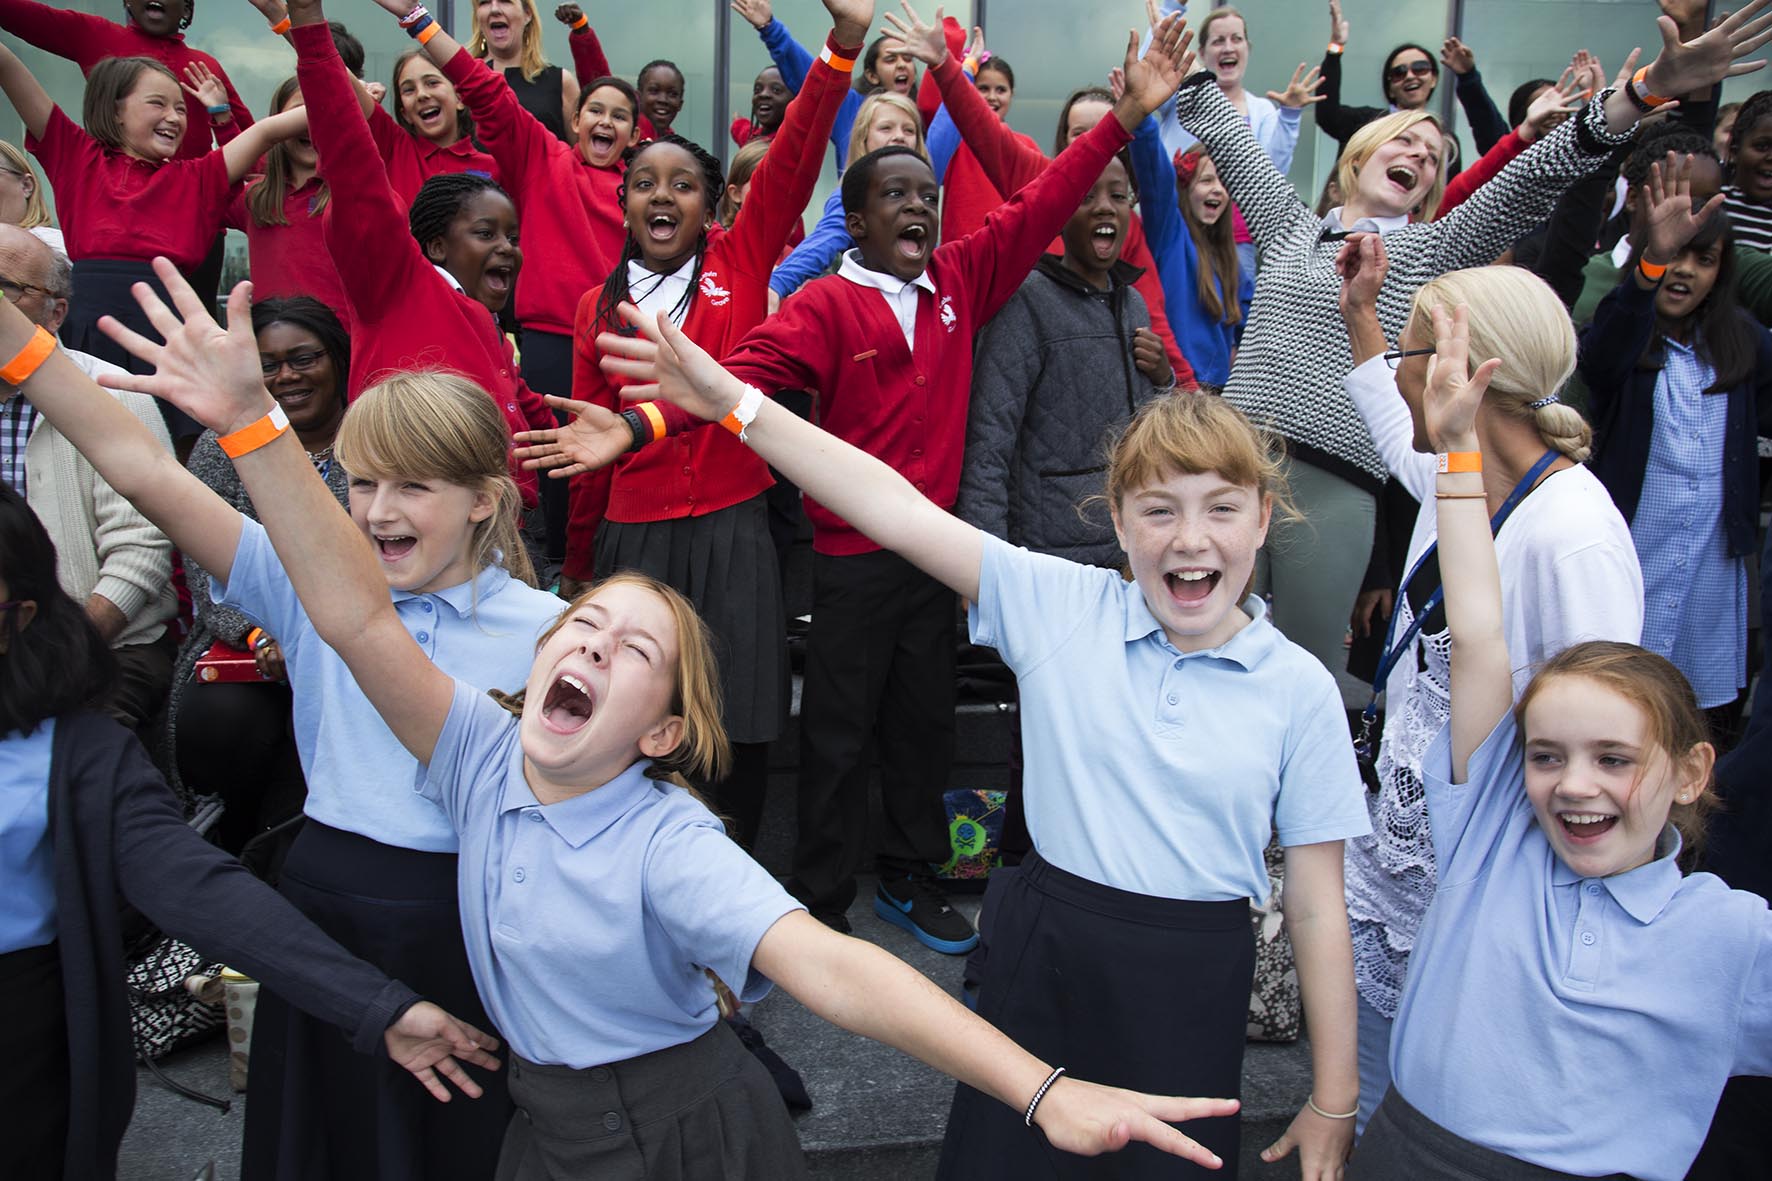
[1568, 573]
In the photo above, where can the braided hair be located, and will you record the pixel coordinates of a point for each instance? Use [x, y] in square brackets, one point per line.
[713, 183]
[441, 199]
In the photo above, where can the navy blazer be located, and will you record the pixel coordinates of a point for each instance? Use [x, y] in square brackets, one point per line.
[118, 831]
[1622, 404]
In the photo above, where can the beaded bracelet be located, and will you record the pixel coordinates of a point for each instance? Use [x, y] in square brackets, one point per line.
[1033, 1104]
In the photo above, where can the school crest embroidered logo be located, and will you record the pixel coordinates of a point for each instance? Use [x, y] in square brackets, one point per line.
[716, 294]
[948, 318]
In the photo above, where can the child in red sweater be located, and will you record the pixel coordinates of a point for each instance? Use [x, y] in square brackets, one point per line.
[152, 31]
[691, 511]
[429, 134]
[123, 192]
[1009, 161]
[423, 287]
[885, 347]
[281, 213]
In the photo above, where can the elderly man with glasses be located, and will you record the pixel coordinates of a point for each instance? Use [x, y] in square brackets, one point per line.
[107, 554]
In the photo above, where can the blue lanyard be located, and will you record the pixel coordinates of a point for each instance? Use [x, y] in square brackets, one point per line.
[1394, 647]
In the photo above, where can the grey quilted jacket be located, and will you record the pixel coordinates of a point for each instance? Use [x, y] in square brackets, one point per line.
[1053, 379]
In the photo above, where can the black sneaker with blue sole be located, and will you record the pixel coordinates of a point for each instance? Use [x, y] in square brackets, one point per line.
[918, 906]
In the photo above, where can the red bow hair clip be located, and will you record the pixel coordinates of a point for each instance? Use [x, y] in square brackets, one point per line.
[1187, 163]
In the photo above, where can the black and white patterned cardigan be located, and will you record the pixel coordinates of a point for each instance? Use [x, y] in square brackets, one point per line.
[1295, 352]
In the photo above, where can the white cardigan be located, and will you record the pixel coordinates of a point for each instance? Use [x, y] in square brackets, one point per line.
[102, 544]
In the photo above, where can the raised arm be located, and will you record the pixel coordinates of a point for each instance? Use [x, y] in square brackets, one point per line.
[816, 252]
[851, 483]
[243, 151]
[364, 209]
[785, 53]
[1333, 119]
[1269, 203]
[81, 37]
[1007, 162]
[213, 375]
[589, 61]
[25, 93]
[789, 170]
[1154, 173]
[1482, 674]
[1487, 123]
[1372, 385]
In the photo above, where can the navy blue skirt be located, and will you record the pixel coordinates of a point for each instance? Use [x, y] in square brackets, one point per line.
[1118, 988]
[316, 1109]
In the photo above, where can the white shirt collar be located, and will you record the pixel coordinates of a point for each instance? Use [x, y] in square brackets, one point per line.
[1621, 252]
[854, 270]
[450, 279]
[653, 292]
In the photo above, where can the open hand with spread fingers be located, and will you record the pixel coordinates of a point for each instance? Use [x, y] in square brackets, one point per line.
[924, 40]
[594, 437]
[1302, 90]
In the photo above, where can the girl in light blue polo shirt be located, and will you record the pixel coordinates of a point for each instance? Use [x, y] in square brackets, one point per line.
[1574, 1005]
[374, 866]
[1170, 731]
[597, 893]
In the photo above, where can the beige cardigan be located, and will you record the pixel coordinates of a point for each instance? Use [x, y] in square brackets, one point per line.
[102, 544]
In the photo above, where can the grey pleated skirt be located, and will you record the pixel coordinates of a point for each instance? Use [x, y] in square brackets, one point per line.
[726, 563]
[1401, 1144]
[706, 1110]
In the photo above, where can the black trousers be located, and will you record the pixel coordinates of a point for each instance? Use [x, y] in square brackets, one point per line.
[880, 666]
[235, 740]
[547, 369]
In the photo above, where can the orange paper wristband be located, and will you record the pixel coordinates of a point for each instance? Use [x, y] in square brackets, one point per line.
[28, 359]
[429, 31]
[1460, 461]
[281, 27]
[843, 65]
[1641, 80]
[654, 419]
[1651, 271]
[251, 437]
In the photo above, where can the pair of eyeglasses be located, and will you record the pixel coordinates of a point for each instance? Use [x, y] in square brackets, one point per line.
[15, 291]
[1395, 356]
[298, 362]
[1403, 69]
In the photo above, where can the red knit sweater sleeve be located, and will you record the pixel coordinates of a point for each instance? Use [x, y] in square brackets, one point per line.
[995, 260]
[589, 61]
[365, 225]
[781, 353]
[1008, 162]
[1480, 173]
[783, 183]
[78, 36]
[515, 138]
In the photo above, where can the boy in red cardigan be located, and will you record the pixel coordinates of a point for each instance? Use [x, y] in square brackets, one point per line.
[885, 346]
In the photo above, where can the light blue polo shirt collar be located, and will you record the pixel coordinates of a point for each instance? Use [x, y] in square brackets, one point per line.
[581, 819]
[1247, 648]
[463, 595]
[1645, 891]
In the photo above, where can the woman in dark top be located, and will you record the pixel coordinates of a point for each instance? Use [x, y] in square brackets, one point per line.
[507, 36]
[234, 739]
[87, 820]
[1408, 79]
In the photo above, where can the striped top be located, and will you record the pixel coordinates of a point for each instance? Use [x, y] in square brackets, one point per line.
[1752, 222]
[1289, 369]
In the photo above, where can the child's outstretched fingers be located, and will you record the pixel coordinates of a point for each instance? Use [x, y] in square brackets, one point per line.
[593, 437]
[1323, 1145]
[1089, 1119]
[210, 372]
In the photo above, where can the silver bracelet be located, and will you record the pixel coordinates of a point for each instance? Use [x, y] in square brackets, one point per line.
[1028, 1116]
[1311, 1103]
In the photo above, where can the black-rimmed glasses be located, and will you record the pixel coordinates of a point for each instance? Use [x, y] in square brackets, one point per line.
[299, 362]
